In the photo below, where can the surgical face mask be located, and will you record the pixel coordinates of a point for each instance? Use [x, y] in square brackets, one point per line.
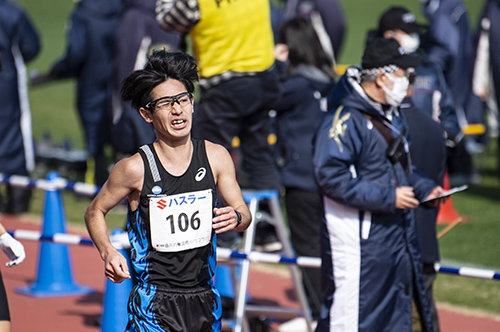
[410, 43]
[395, 96]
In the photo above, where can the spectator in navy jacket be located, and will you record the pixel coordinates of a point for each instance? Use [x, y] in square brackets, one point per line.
[449, 44]
[89, 56]
[428, 151]
[19, 43]
[307, 82]
[429, 110]
[371, 265]
[138, 34]
[328, 18]
[486, 78]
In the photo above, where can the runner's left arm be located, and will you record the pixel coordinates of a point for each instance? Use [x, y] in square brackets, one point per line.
[225, 176]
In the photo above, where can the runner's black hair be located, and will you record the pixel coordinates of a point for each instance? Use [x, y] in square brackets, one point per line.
[161, 66]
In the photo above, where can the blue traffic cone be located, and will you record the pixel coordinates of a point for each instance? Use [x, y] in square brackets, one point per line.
[54, 276]
[114, 314]
[224, 281]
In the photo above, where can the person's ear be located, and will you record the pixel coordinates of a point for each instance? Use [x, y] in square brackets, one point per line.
[380, 79]
[281, 52]
[388, 34]
[146, 114]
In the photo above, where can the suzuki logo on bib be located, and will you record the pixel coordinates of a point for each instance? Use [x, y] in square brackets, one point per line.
[200, 174]
[162, 204]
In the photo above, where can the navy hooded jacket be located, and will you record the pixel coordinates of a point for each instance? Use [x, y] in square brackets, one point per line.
[370, 252]
[300, 111]
[137, 33]
[89, 56]
[19, 43]
[491, 11]
[449, 44]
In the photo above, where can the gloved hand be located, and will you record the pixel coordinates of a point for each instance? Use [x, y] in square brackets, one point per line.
[12, 248]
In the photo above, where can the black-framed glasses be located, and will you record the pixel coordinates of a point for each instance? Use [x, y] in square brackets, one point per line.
[166, 103]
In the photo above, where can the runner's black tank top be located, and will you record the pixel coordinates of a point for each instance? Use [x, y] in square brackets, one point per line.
[182, 269]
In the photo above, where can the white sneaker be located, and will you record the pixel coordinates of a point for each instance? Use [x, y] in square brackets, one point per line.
[298, 324]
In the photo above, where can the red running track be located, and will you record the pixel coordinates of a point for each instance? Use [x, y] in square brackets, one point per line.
[80, 313]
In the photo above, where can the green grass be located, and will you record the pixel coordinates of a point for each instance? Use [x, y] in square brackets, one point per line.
[473, 244]
[470, 293]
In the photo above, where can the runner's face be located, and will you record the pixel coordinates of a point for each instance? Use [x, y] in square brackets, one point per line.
[176, 122]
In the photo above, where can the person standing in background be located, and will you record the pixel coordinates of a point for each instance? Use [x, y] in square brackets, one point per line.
[138, 34]
[429, 110]
[308, 78]
[233, 43]
[15, 252]
[428, 151]
[371, 260]
[19, 43]
[10, 246]
[89, 56]
[430, 90]
[327, 17]
[486, 77]
[449, 44]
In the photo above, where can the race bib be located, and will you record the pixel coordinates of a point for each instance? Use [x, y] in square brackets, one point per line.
[181, 222]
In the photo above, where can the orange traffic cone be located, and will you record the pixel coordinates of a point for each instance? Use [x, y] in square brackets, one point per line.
[447, 213]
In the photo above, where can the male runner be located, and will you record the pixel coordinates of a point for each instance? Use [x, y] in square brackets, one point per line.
[174, 217]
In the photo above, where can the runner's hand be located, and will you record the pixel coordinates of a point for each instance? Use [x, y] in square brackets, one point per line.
[225, 219]
[116, 267]
[13, 249]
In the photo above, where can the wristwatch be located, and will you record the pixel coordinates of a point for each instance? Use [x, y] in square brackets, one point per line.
[238, 218]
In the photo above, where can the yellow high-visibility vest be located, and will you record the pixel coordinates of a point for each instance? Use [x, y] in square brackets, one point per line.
[233, 35]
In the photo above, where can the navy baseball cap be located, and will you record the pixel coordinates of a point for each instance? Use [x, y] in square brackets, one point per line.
[399, 18]
[383, 52]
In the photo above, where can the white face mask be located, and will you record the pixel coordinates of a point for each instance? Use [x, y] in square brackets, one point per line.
[395, 96]
[410, 43]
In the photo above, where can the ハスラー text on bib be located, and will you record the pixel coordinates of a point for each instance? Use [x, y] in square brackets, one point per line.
[181, 222]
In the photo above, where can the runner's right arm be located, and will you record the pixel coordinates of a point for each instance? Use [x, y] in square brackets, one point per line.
[124, 180]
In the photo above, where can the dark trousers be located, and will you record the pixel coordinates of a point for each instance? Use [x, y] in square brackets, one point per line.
[239, 108]
[4, 305]
[429, 278]
[304, 212]
[15, 199]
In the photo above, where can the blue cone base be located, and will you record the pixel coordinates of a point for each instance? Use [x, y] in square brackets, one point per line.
[115, 303]
[54, 290]
[224, 281]
[115, 306]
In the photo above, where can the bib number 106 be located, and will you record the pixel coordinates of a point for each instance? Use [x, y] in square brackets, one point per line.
[184, 222]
